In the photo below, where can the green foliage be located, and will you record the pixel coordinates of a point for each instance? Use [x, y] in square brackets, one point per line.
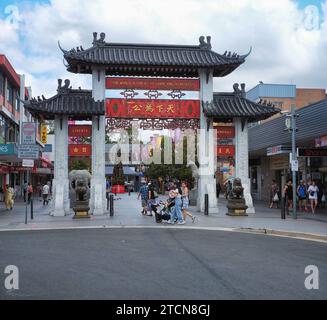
[79, 165]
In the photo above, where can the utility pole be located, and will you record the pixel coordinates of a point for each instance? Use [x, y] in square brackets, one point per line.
[294, 165]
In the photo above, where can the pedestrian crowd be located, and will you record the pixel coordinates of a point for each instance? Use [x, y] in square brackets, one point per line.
[177, 202]
[309, 196]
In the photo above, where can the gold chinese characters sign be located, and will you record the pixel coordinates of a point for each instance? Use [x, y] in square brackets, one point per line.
[44, 133]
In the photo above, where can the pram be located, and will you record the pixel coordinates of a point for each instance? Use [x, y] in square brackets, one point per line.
[162, 210]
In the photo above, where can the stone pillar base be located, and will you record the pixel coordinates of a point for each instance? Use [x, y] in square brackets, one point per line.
[60, 198]
[207, 184]
[98, 197]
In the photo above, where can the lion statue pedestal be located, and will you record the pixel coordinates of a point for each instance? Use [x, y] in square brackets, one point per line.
[80, 179]
[236, 203]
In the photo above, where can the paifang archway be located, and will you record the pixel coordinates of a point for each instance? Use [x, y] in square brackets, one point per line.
[108, 62]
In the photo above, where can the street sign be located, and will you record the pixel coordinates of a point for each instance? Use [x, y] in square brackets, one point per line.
[312, 152]
[28, 151]
[295, 165]
[271, 151]
[44, 133]
[28, 163]
[28, 133]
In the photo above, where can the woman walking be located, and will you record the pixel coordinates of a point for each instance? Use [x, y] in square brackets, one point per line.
[185, 202]
[313, 196]
[274, 198]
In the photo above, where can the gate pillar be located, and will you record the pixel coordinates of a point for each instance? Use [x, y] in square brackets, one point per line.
[98, 180]
[60, 183]
[242, 160]
[206, 148]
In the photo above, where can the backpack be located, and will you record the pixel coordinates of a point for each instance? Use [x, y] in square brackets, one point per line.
[302, 191]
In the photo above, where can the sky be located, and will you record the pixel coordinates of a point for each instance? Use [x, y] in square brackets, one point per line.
[288, 37]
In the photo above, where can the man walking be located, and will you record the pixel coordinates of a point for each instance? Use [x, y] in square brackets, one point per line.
[25, 186]
[144, 192]
[45, 194]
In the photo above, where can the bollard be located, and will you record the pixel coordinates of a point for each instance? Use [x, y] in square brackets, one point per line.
[26, 213]
[32, 210]
[282, 209]
[111, 205]
[206, 204]
[108, 203]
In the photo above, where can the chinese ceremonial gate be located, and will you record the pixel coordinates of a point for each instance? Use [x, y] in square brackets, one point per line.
[163, 87]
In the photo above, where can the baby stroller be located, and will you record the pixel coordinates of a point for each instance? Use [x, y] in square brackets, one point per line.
[162, 210]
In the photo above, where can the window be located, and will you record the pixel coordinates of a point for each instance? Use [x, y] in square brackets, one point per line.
[2, 130]
[10, 94]
[2, 84]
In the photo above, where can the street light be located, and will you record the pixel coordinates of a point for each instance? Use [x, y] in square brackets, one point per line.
[290, 123]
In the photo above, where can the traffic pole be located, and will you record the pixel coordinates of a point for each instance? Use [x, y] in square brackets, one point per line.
[206, 204]
[32, 210]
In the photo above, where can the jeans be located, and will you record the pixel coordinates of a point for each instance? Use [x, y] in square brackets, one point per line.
[177, 212]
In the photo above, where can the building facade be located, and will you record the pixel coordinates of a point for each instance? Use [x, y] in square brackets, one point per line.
[285, 95]
[270, 147]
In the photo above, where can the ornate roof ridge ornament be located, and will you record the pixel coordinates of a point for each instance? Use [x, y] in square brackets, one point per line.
[63, 88]
[203, 44]
[100, 41]
[247, 54]
[239, 92]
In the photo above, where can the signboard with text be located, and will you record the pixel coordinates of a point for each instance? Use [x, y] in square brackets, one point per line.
[225, 150]
[28, 133]
[44, 133]
[152, 98]
[28, 151]
[28, 163]
[79, 150]
[224, 132]
[312, 152]
[80, 131]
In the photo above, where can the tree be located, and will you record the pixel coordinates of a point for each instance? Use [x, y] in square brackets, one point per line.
[79, 164]
[118, 175]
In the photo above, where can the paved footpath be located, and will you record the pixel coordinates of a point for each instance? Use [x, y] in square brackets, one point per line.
[127, 213]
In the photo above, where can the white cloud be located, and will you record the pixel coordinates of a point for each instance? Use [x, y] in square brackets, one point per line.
[283, 50]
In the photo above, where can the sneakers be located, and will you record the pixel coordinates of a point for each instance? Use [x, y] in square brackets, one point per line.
[193, 219]
[181, 222]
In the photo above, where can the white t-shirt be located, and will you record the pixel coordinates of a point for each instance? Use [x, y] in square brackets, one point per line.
[45, 189]
[313, 192]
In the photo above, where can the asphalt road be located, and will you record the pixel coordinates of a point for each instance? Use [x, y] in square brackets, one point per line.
[159, 264]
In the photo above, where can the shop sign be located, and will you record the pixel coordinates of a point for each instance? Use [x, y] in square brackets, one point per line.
[224, 132]
[28, 163]
[4, 169]
[7, 149]
[80, 131]
[225, 150]
[79, 150]
[280, 149]
[312, 152]
[279, 162]
[321, 142]
[28, 133]
[26, 151]
[44, 133]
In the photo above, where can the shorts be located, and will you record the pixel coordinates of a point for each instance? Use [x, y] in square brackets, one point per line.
[302, 198]
[185, 203]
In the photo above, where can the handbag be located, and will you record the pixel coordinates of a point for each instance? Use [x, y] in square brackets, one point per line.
[276, 198]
